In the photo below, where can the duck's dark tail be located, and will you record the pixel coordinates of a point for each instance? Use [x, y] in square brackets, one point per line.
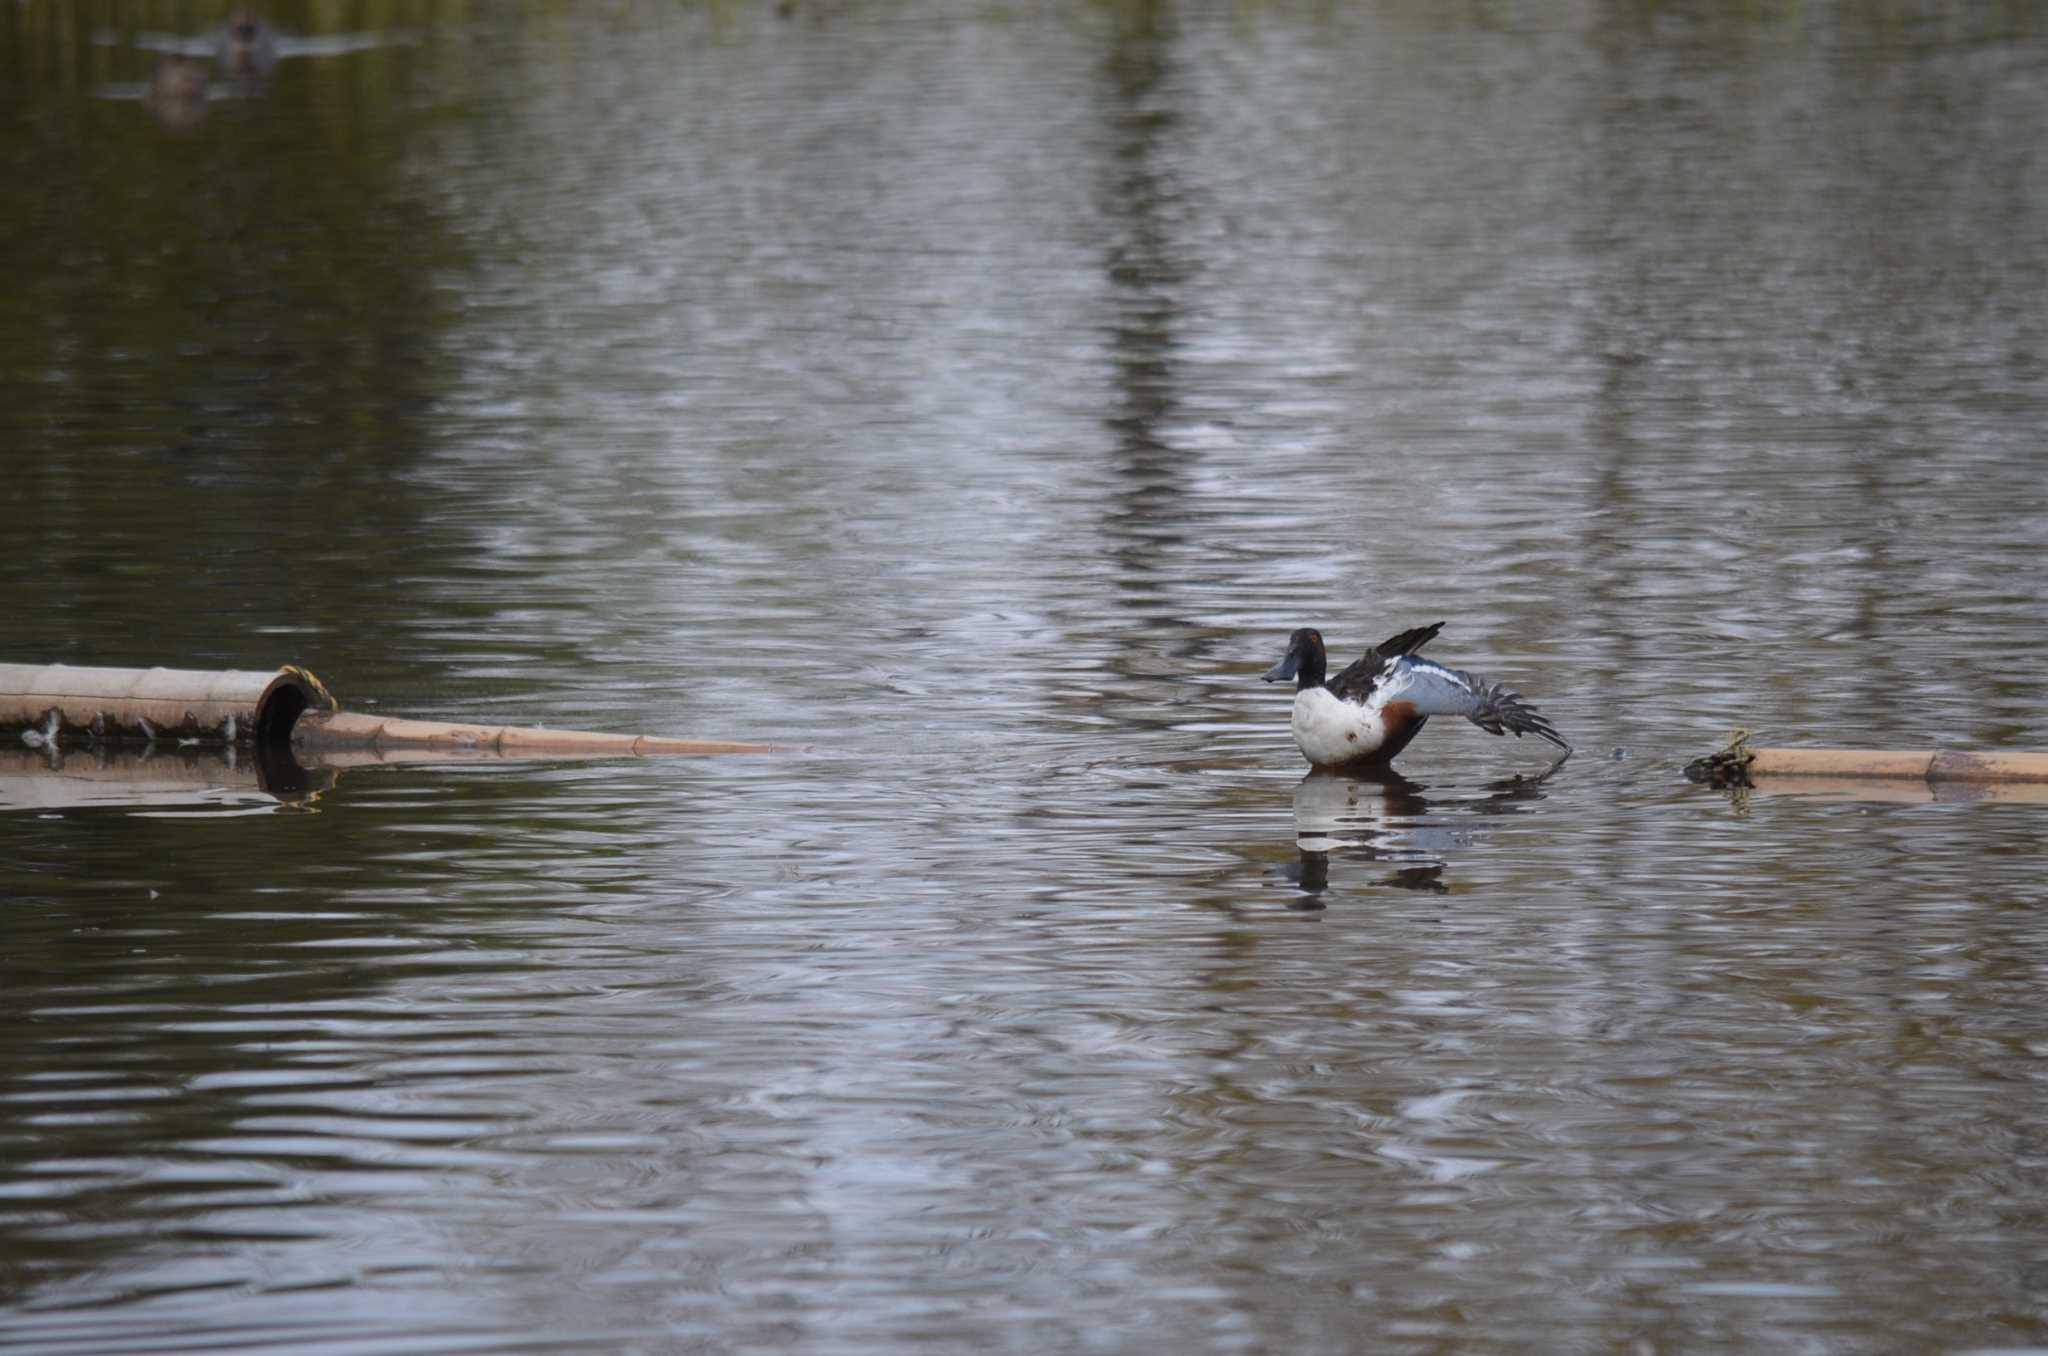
[1500, 711]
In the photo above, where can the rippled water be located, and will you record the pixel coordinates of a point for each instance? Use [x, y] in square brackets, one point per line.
[978, 397]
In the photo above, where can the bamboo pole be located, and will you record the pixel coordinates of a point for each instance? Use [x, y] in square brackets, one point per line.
[352, 730]
[234, 706]
[1932, 765]
[1741, 764]
[54, 707]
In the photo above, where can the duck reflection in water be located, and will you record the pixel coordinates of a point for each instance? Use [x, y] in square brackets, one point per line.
[1385, 817]
[177, 92]
[245, 51]
[247, 46]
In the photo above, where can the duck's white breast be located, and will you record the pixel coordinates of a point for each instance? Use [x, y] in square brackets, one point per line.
[1331, 731]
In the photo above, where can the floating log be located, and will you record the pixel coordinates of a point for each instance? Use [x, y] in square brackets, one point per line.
[1743, 764]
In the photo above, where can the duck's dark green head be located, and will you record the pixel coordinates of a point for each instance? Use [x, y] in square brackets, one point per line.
[1305, 661]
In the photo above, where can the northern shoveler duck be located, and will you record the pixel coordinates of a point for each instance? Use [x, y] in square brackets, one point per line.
[1360, 719]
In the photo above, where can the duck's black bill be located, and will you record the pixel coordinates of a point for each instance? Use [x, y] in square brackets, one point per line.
[1284, 670]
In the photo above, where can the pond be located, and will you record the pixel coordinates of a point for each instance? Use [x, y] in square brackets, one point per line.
[976, 397]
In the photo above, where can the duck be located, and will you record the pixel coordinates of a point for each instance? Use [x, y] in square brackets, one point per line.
[1362, 718]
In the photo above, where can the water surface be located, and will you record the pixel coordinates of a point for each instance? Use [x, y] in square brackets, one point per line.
[979, 396]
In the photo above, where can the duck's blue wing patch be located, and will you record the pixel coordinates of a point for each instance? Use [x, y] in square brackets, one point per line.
[1426, 686]
[1430, 689]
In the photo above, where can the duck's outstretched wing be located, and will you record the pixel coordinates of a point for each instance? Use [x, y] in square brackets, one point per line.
[1427, 688]
[1355, 683]
[1408, 642]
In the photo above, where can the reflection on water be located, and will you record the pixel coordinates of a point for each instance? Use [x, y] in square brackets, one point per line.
[981, 398]
[1390, 819]
[232, 60]
[219, 777]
